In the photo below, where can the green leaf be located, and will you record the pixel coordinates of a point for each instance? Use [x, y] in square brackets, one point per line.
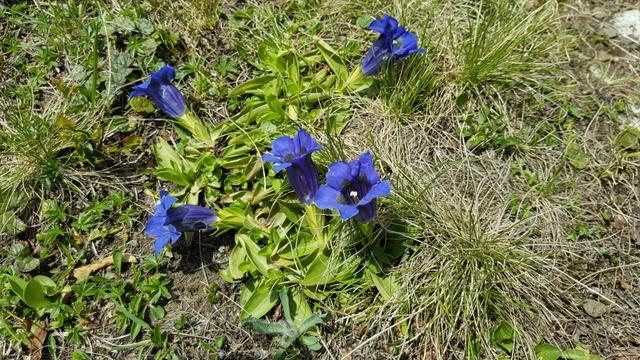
[547, 352]
[136, 320]
[117, 261]
[311, 342]
[503, 336]
[262, 299]
[579, 353]
[253, 253]
[48, 285]
[299, 307]
[628, 138]
[171, 166]
[17, 285]
[334, 61]
[577, 157]
[254, 86]
[34, 295]
[142, 104]
[364, 21]
[386, 286]
[145, 26]
[10, 224]
[232, 272]
[462, 100]
[27, 264]
[318, 273]
[11, 200]
[269, 328]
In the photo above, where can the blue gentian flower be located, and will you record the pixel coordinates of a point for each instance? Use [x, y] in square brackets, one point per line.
[169, 222]
[162, 92]
[352, 189]
[294, 155]
[394, 42]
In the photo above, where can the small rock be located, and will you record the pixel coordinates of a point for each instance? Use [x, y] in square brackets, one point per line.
[624, 284]
[627, 24]
[595, 308]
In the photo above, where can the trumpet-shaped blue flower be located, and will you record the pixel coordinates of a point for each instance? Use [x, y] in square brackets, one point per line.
[169, 222]
[162, 92]
[294, 155]
[394, 42]
[352, 189]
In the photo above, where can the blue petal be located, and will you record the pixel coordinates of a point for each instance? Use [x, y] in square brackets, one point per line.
[339, 175]
[140, 90]
[380, 189]
[283, 147]
[155, 226]
[375, 57]
[282, 166]
[303, 177]
[399, 31]
[166, 202]
[367, 170]
[386, 25]
[174, 234]
[170, 235]
[348, 211]
[165, 74]
[328, 198]
[304, 143]
[270, 158]
[408, 45]
[161, 242]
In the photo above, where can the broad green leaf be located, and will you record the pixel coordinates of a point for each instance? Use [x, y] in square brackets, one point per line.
[386, 286]
[547, 352]
[142, 104]
[299, 307]
[11, 200]
[173, 176]
[334, 61]
[10, 224]
[17, 285]
[232, 272]
[503, 336]
[48, 285]
[577, 157]
[262, 299]
[253, 86]
[579, 353]
[318, 272]
[628, 138]
[34, 295]
[364, 21]
[269, 328]
[311, 342]
[253, 253]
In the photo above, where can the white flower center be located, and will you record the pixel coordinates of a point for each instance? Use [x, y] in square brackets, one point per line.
[353, 194]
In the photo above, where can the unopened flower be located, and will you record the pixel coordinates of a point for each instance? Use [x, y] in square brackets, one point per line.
[169, 222]
[294, 156]
[352, 189]
[162, 92]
